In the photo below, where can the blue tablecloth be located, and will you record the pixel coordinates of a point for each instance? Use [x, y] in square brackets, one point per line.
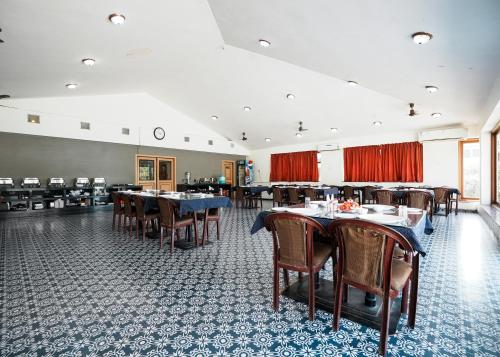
[327, 191]
[188, 204]
[412, 234]
[257, 189]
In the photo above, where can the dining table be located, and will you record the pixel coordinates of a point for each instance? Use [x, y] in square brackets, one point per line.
[361, 307]
[185, 203]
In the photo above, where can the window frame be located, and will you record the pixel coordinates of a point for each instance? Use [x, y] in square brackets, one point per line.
[461, 168]
[494, 134]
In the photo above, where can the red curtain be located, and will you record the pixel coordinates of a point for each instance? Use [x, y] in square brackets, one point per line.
[401, 162]
[295, 166]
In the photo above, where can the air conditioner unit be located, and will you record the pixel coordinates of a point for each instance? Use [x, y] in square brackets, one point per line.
[442, 134]
[329, 147]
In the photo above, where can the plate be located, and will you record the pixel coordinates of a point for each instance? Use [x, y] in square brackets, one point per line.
[279, 209]
[345, 215]
[302, 211]
[379, 208]
[382, 218]
[414, 210]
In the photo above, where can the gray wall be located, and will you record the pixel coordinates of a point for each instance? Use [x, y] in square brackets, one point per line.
[44, 157]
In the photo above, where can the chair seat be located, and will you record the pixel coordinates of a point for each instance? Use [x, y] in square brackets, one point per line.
[399, 274]
[322, 252]
[152, 214]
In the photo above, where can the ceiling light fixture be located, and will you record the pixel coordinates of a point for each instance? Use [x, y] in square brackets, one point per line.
[421, 38]
[214, 117]
[377, 123]
[352, 83]
[299, 135]
[88, 61]
[267, 140]
[431, 89]
[290, 96]
[436, 115]
[247, 108]
[71, 85]
[117, 19]
[264, 43]
[334, 130]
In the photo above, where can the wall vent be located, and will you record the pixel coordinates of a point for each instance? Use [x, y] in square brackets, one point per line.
[125, 131]
[84, 125]
[186, 139]
[33, 119]
[210, 142]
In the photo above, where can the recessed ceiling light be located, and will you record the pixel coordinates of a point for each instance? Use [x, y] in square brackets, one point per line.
[352, 83]
[421, 37]
[88, 61]
[71, 85]
[334, 130]
[267, 140]
[247, 108]
[377, 123]
[214, 117]
[290, 96]
[264, 43]
[436, 115]
[299, 135]
[117, 19]
[431, 89]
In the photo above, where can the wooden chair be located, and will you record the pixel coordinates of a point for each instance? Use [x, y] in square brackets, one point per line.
[384, 197]
[368, 194]
[419, 199]
[169, 219]
[255, 198]
[129, 213]
[210, 215]
[442, 196]
[295, 249]
[366, 262]
[118, 209]
[242, 197]
[278, 196]
[293, 196]
[142, 217]
[349, 194]
[311, 193]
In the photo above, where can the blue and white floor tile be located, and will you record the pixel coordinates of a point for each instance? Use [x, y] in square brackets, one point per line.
[70, 286]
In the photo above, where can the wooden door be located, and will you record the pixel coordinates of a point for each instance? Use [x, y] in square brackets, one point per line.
[228, 171]
[145, 171]
[166, 173]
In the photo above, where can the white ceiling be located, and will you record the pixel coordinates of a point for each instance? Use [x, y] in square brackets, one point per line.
[205, 60]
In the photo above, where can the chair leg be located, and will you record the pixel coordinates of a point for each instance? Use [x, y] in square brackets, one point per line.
[312, 295]
[137, 221]
[384, 329]
[144, 227]
[345, 293]
[218, 229]
[404, 298]
[195, 231]
[114, 221]
[161, 237]
[172, 238]
[286, 278]
[276, 286]
[413, 293]
[338, 303]
[130, 227]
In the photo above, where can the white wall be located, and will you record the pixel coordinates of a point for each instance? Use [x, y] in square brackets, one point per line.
[108, 114]
[440, 159]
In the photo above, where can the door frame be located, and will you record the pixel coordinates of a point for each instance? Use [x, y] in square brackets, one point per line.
[156, 158]
[233, 171]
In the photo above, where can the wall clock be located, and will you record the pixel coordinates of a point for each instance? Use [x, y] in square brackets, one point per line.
[159, 133]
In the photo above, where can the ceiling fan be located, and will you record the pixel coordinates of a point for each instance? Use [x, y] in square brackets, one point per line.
[244, 138]
[413, 112]
[301, 128]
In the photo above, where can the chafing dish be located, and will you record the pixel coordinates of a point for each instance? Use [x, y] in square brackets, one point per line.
[82, 182]
[6, 182]
[56, 182]
[98, 182]
[30, 182]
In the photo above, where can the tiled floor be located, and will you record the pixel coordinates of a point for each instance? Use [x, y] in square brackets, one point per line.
[71, 286]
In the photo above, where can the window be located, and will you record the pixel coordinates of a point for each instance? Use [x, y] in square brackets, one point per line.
[469, 159]
[495, 167]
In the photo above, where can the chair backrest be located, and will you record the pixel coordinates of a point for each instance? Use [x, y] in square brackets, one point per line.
[240, 193]
[139, 206]
[383, 197]
[311, 193]
[293, 194]
[277, 194]
[167, 211]
[418, 199]
[348, 192]
[127, 203]
[441, 194]
[368, 192]
[293, 238]
[117, 201]
[366, 252]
